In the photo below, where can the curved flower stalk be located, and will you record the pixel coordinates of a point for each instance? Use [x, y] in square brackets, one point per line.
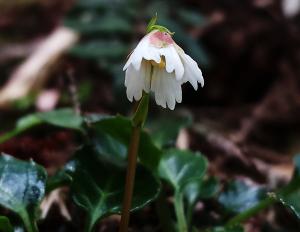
[159, 65]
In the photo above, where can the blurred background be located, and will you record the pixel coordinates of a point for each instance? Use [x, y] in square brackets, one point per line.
[56, 53]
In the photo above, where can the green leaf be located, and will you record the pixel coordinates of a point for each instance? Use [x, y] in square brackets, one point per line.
[98, 186]
[209, 188]
[59, 179]
[111, 150]
[239, 196]
[151, 23]
[22, 125]
[65, 118]
[5, 225]
[292, 201]
[22, 186]
[100, 49]
[27, 122]
[164, 129]
[180, 167]
[201, 189]
[62, 177]
[119, 129]
[290, 195]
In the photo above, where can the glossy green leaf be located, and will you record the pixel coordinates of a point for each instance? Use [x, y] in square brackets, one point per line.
[22, 186]
[66, 118]
[290, 195]
[62, 118]
[201, 189]
[164, 129]
[5, 225]
[119, 129]
[240, 196]
[62, 177]
[111, 149]
[59, 179]
[22, 125]
[27, 122]
[98, 186]
[292, 201]
[209, 188]
[179, 167]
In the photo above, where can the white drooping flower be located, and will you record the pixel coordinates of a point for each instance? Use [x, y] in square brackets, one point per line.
[159, 65]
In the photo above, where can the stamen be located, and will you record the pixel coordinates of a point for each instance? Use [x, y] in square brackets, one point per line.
[161, 64]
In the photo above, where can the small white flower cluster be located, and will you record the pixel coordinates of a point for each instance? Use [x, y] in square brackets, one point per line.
[158, 64]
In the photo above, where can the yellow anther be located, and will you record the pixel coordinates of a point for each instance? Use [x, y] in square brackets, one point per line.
[161, 64]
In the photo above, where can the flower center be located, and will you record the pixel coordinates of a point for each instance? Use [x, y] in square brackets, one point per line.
[161, 39]
[161, 64]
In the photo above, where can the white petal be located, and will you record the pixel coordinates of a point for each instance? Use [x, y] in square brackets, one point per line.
[173, 61]
[173, 90]
[143, 50]
[133, 84]
[137, 55]
[145, 74]
[129, 60]
[156, 87]
[166, 88]
[192, 72]
[137, 80]
[176, 86]
[152, 53]
[170, 95]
